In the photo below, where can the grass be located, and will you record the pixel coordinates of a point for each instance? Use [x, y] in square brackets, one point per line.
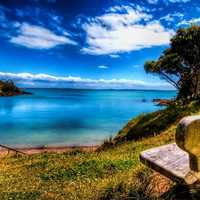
[154, 123]
[110, 173]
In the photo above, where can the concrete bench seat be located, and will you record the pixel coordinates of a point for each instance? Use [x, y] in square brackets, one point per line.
[179, 161]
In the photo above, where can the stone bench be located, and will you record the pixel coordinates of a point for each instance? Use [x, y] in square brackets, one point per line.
[179, 161]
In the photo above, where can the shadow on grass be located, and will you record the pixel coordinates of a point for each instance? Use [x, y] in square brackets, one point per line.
[183, 192]
[178, 192]
[120, 192]
[19, 195]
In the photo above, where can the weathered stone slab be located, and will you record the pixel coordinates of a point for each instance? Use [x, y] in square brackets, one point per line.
[170, 161]
[188, 139]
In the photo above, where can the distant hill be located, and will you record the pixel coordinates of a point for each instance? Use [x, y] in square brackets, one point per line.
[8, 88]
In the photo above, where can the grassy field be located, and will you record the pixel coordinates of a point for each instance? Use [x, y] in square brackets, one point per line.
[113, 172]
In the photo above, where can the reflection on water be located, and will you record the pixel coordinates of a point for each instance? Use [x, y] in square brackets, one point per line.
[71, 117]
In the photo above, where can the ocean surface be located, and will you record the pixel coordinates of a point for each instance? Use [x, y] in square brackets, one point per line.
[71, 117]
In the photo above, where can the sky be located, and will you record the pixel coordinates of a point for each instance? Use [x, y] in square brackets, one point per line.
[97, 44]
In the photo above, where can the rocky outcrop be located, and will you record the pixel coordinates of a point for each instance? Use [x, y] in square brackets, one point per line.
[8, 88]
[163, 102]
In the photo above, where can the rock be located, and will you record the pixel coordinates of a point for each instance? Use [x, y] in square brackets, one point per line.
[163, 102]
[8, 88]
[188, 138]
[158, 185]
[24, 92]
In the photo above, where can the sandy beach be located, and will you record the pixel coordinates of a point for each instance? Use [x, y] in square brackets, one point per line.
[52, 149]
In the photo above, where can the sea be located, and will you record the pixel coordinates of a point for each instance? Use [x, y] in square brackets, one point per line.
[71, 117]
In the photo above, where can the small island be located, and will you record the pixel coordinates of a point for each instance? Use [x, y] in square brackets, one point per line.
[8, 88]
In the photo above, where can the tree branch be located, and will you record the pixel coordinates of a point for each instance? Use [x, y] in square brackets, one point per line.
[169, 80]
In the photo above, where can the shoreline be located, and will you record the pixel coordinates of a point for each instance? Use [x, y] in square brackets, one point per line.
[42, 149]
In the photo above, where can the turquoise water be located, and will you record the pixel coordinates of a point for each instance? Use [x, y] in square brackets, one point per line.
[71, 117]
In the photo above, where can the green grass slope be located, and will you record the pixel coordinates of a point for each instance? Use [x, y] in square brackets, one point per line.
[154, 123]
[110, 173]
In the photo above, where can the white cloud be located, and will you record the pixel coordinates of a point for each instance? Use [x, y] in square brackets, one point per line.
[46, 80]
[170, 17]
[168, 1]
[191, 21]
[103, 67]
[117, 19]
[152, 1]
[114, 56]
[113, 33]
[37, 37]
[178, 1]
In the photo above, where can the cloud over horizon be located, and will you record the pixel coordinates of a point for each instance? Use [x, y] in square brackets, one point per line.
[49, 81]
[179, 1]
[168, 1]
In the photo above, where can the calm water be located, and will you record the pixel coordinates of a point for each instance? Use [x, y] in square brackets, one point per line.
[71, 117]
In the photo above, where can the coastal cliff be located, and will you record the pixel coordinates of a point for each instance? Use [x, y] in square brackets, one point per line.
[8, 88]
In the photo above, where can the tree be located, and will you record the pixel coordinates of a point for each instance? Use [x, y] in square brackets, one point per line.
[8, 86]
[180, 63]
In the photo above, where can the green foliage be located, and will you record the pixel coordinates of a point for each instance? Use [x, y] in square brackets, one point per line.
[38, 165]
[8, 86]
[76, 151]
[107, 143]
[180, 64]
[90, 169]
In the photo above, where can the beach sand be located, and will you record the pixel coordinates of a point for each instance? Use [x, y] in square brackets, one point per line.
[53, 149]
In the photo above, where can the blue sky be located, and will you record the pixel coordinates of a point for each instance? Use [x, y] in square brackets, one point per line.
[88, 43]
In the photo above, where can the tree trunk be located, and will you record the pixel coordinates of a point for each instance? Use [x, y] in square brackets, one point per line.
[195, 87]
